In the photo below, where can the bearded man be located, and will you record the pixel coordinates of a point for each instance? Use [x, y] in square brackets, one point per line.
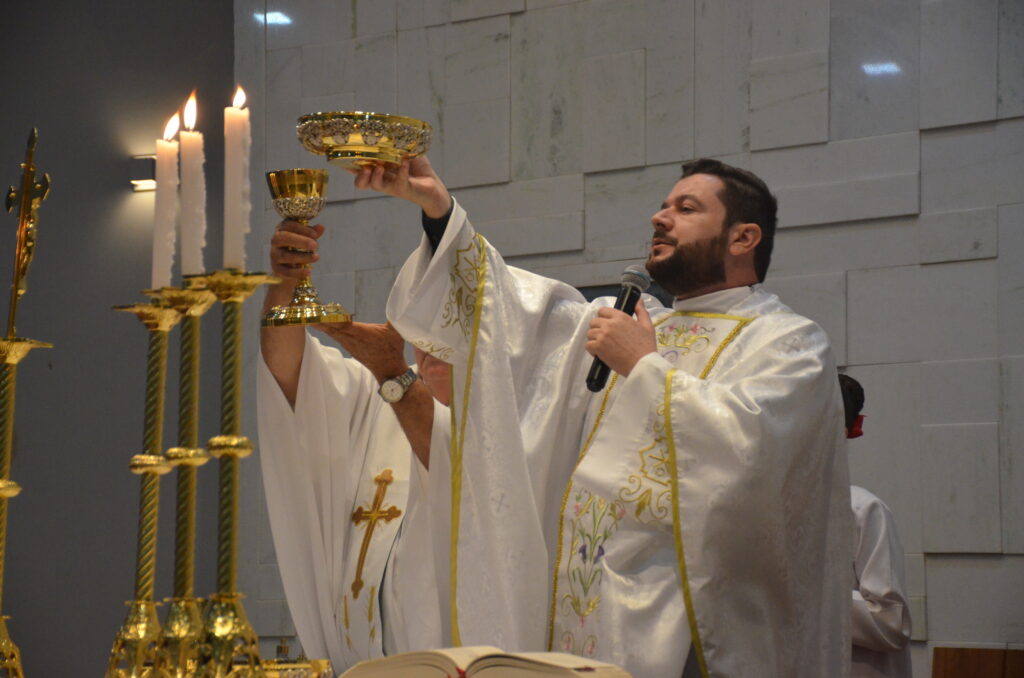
[692, 518]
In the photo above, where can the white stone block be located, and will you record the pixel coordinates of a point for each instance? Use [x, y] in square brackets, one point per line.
[789, 100]
[975, 599]
[421, 57]
[722, 74]
[374, 17]
[306, 22]
[921, 658]
[477, 60]
[1011, 279]
[284, 106]
[1011, 59]
[372, 290]
[960, 392]
[268, 583]
[612, 26]
[619, 206]
[613, 111]
[409, 15]
[1012, 454]
[974, 166]
[784, 28]
[535, 235]
[343, 101]
[960, 484]
[844, 180]
[523, 199]
[546, 93]
[884, 316]
[463, 10]
[822, 298]
[959, 57]
[959, 236]
[542, 4]
[476, 143]
[913, 566]
[669, 83]
[879, 243]
[376, 77]
[271, 617]
[586, 274]
[958, 310]
[873, 60]
[327, 68]
[918, 617]
[887, 459]
[436, 12]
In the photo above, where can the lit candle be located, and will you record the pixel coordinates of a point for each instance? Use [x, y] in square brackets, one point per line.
[237, 207]
[193, 194]
[166, 204]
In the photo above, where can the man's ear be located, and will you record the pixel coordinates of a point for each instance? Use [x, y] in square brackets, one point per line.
[743, 238]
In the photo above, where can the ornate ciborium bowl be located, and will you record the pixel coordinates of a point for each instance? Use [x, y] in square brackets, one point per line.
[299, 194]
[352, 139]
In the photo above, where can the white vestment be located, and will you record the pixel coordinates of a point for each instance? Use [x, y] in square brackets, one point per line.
[711, 498]
[881, 615]
[324, 464]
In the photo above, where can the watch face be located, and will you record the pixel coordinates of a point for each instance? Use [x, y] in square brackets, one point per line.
[391, 391]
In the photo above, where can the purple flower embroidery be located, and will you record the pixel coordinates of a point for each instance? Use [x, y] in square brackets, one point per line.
[583, 552]
[600, 553]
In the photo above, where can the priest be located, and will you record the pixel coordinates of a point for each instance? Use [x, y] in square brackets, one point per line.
[690, 519]
[344, 446]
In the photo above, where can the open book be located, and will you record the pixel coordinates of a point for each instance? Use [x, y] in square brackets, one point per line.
[483, 662]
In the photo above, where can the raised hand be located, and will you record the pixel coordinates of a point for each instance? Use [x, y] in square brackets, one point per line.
[414, 180]
[293, 248]
[620, 340]
[378, 347]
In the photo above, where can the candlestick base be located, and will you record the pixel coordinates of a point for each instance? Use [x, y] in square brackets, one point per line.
[134, 651]
[230, 645]
[10, 657]
[180, 641]
[306, 309]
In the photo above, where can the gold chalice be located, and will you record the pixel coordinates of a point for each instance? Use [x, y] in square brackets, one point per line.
[352, 139]
[299, 195]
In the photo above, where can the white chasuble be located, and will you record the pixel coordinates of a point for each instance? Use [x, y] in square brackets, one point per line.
[342, 486]
[702, 498]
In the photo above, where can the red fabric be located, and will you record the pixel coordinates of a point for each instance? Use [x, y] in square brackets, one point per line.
[857, 430]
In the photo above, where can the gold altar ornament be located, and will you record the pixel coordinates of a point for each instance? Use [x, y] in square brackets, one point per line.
[13, 349]
[352, 139]
[299, 194]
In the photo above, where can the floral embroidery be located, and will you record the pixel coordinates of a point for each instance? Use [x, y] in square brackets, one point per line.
[685, 338]
[465, 278]
[440, 352]
[649, 489]
[594, 521]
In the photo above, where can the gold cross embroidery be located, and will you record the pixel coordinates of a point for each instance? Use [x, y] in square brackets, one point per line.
[371, 516]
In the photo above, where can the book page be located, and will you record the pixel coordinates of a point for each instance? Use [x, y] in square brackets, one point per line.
[538, 664]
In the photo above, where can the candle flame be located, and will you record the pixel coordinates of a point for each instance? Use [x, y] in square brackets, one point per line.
[172, 127]
[190, 112]
[239, 99]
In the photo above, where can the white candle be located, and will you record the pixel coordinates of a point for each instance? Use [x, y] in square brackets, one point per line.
[237, 207]
[193, 195]
[166, 210]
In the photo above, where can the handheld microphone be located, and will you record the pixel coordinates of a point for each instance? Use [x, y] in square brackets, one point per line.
[635, 282]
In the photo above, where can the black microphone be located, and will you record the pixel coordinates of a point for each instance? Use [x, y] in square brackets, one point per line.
[635, 282]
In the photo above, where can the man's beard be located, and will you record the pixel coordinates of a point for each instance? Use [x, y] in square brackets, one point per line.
[690, 267]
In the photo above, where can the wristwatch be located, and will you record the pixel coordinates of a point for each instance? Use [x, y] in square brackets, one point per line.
[392, 390]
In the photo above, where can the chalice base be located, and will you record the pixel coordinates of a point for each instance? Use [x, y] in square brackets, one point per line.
[306, 309]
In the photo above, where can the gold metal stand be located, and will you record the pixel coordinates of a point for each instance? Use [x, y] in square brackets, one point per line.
[134, 652]
[28, 198]
[183, 627]
[230, 647]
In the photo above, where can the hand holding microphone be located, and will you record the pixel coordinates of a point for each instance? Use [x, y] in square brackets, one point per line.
[635, 282]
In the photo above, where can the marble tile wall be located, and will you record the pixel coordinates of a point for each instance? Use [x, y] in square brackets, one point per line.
[892, 132]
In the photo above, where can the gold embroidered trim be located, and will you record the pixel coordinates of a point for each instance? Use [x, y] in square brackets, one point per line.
[677, 531]
[565, 500]
[480, 267]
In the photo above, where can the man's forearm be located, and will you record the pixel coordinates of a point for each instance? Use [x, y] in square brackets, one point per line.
[415, 413]
[282, 347]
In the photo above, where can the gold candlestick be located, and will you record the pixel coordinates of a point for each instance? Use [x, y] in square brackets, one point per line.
[134, 651]
[13, 349]
[183, 627]
[231, 646]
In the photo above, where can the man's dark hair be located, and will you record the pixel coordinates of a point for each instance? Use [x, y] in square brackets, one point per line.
[747, 200]
[853, 398]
